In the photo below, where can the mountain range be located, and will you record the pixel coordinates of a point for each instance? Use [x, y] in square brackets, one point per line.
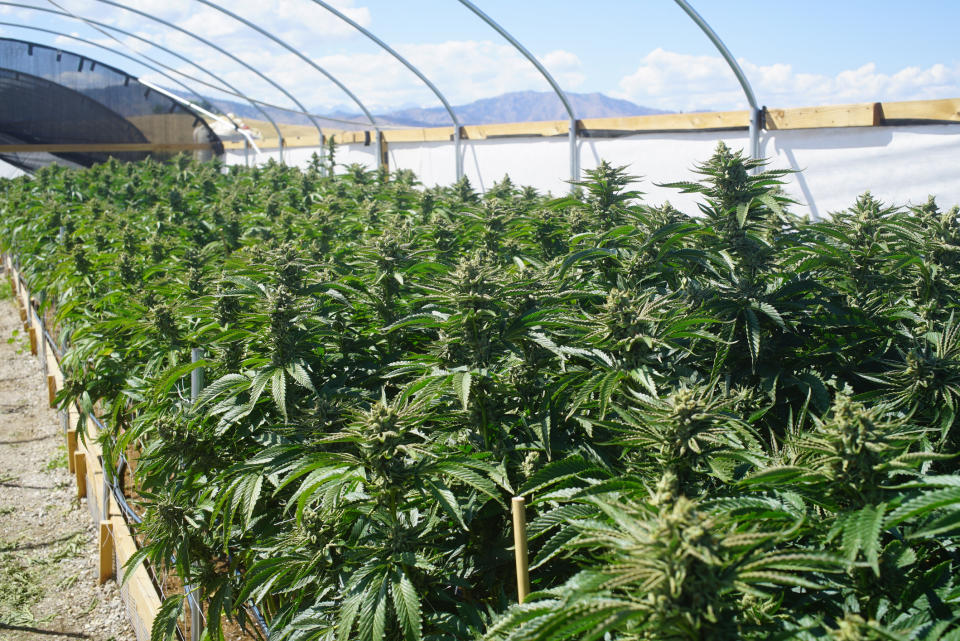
[518, 106]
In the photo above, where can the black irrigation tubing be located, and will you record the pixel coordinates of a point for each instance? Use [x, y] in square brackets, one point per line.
[53, 345]
[117, 491]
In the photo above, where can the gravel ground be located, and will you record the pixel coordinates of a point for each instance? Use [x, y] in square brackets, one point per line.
[48, 542]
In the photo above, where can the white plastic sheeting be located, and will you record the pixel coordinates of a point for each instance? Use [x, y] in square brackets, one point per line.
[899, 164]
[10, 171]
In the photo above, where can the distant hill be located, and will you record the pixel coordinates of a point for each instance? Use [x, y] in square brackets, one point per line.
[522, 106]
[518, 106]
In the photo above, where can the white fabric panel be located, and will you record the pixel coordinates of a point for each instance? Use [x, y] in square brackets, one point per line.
[10, 171]
[899, 164]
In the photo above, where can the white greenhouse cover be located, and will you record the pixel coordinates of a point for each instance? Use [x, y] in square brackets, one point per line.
[900, 165]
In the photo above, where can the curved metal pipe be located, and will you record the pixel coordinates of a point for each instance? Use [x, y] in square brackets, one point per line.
[738, 72]
[113, 51]
[88, 42]
[224, 52]
[232, 90]
[222, 117]
[383, 45]
[574, 156]
[297, 53]
[96, 24]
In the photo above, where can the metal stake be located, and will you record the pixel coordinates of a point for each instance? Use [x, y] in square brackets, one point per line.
[196, 384]
[574, 155]
[456, 149]
[196, 376]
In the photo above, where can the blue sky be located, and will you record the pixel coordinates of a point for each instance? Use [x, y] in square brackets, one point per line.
[648, 51]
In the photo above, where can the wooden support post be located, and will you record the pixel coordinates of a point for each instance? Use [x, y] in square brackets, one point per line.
[52, 390]
[384, 153]
[71, 447]
[23, 313]
[106, 552]
[80, 469]
[520, 547]
[33, 341]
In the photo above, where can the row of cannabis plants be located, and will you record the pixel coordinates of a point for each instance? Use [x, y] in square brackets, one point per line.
[733, 424]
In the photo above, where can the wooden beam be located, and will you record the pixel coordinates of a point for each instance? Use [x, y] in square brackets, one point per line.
[866, 114]
[671, 122]
[105, 147]
[947, 110]
[33, 341]
[146, 601]
[500, 130]
[854, 115]
[429, 134]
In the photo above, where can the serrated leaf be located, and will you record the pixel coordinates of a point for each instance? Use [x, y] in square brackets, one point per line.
[406, 604]
[461, 387]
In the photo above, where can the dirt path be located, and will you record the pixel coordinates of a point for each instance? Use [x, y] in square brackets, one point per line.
[48, 546]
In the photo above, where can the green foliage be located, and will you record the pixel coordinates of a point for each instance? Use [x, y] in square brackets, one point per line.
[738, 424]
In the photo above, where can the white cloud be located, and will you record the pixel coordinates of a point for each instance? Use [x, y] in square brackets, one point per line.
[464, 70]
[671, 80]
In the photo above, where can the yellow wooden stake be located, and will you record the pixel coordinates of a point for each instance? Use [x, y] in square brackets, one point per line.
[71, 447]
[33, 341]
[106, 552]
[52, 390]
[520, 547]
[80, 469]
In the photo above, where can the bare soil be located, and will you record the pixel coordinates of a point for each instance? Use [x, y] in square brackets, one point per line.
[48, 542]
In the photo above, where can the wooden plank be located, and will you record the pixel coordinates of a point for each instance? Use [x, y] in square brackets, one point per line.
[852, 115]
[946, 110]
[866, 114]
[429, 134]
[105, 565]
[145, 599]
[33, 341]
[541, 128]
[349, 137]
[105, 147]
[671, 122]
[80, 469]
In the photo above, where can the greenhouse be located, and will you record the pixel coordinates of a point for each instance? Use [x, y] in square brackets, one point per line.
[300, 352]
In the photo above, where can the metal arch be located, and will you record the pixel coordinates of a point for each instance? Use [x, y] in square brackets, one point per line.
[118, 53]
[383, 45]
[88, 42]
[297, 53]
[741, 76]
[223, 51]
[574, 156]
[67, 14]
[103, 28]
[310, 62]
[231, 90]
